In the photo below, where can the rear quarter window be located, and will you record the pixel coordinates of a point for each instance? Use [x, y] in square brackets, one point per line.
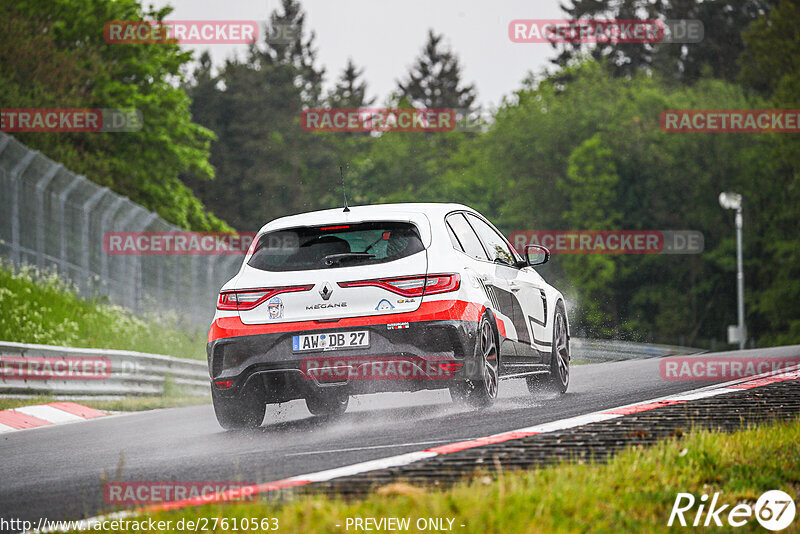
[465, 237]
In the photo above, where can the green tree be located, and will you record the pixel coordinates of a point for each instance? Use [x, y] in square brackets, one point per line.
[350, 90]
[769, 64]
[267, 166]
[299, 53]
[435, 79]
[622, 58]
[590, 189]
[723, 22]
[589, 151]
[54, 55]
[411, 166]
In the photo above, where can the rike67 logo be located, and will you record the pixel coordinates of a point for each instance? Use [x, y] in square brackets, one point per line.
[774, 510]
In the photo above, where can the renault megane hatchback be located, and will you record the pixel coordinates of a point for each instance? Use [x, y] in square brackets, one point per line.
[394, 297]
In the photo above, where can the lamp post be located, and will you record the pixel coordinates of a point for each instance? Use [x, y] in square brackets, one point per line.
[733, 201]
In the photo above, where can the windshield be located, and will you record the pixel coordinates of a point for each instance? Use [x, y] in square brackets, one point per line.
[305, 248]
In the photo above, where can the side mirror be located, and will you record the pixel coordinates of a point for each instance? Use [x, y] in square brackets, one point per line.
[536, 255]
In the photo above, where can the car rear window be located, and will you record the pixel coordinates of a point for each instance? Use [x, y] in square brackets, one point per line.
[324, 247]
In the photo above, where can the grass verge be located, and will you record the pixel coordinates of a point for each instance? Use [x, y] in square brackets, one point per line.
[37, 307]
[633, 492]
[124, 404]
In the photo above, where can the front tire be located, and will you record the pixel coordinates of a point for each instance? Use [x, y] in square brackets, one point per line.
[245, 411]
[557, 379]
[481, 392]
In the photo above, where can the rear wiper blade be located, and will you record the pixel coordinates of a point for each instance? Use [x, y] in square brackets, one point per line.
[330, 259]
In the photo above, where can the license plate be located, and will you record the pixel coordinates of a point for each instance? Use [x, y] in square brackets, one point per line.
[330, 341]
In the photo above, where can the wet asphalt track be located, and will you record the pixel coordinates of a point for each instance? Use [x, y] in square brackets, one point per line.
[58, 472]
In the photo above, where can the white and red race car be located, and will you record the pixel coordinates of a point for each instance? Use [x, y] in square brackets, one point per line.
[394, 297]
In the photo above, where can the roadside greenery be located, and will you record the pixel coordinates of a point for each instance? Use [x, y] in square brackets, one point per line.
[54, 56]
[633, 492]
[37, 307]
[123, 404]
[577, 146]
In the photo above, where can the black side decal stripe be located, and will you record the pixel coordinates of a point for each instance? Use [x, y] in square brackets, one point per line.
[542, 343]
[537, 321]
[509, 305]
[543, 322]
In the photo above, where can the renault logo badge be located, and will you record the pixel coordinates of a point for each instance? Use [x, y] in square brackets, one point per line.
[326, 291]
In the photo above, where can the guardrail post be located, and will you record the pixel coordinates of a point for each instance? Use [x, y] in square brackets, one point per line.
[4, 140]
[178, 289]
[161, 267]
[87, 208]
[138, 286]
[104, 227]
[129, 261]
[211, 269]
[41, 185]
[62, 215]
[195, 282]
[16, 172]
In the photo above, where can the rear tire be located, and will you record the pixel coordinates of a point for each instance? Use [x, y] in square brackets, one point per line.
[557, 379]
[481, 392]
[324, 404]
[245, 411]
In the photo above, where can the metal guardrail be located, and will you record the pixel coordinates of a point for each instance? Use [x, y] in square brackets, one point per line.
[47, 369]
[602, 350]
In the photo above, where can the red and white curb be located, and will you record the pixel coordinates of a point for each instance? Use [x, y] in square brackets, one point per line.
[411, 457]
[53, 413]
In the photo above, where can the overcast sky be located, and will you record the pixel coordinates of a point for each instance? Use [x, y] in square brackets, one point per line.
[384, 37]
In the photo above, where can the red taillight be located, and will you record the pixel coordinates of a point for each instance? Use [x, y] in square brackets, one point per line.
[335, 227]
[227, 301]
[248, 299]
[412, 286]
[224, 384]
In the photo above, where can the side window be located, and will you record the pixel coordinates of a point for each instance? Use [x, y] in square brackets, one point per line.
[453, 238]
[496, 244]
[465, 236]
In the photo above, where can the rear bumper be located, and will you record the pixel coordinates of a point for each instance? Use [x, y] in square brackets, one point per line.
[417, 355]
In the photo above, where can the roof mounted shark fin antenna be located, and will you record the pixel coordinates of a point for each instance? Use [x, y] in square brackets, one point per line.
[344, 189]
